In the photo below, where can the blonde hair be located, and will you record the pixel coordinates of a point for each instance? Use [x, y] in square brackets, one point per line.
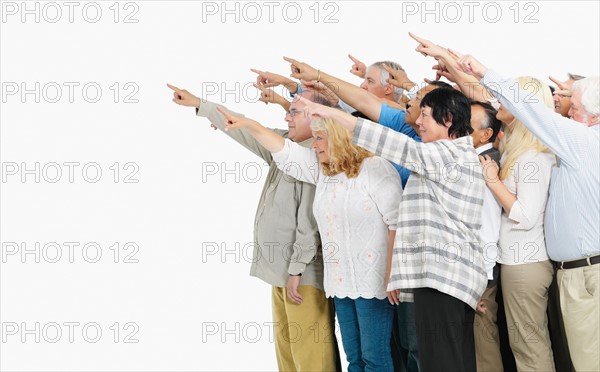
[343, 155]
[517, 139]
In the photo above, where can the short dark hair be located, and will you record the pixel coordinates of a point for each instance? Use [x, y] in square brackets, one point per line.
[441, 84]
[492, 121]
[452, 105]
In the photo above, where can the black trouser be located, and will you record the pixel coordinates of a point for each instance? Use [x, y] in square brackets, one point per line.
[444, 332]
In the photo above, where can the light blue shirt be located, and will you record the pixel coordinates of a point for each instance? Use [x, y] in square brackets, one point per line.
[572, 218]
[396, 119]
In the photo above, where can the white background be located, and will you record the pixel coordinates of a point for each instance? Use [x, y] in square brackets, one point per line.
[175, 300]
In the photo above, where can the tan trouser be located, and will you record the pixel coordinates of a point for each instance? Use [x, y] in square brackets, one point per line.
[579, 303]
[304, 334]
[487, 343]
[525, 293]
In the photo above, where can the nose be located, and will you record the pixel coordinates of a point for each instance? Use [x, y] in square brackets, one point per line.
[364, 85]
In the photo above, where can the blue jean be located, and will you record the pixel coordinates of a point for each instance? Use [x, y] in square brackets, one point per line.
[366, 326]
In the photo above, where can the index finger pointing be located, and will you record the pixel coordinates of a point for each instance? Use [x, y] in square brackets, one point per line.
[291, 60]
[353, 59]
[225, 113]
[417, 39]
[454, 53]
[173, 87]
[557, 82]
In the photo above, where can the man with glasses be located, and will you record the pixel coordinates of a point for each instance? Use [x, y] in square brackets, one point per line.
[287, 252]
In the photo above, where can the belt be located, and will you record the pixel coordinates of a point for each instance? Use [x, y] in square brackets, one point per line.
[588, 261]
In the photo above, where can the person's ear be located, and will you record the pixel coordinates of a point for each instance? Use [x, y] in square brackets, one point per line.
[389, 89]
[448, 121]
[487, 134]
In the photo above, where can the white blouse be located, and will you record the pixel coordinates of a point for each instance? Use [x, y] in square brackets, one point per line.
[522, 231]
[354, 216]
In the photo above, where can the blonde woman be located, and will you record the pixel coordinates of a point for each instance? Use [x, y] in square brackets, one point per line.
[526, 273]
[357, 195]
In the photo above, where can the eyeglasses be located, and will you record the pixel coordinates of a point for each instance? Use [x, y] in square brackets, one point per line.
[293, 112]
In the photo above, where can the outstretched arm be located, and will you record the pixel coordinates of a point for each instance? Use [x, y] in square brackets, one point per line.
[360, 99]
[210, 111]
[566, 138]
[270, 140]
[446, 67]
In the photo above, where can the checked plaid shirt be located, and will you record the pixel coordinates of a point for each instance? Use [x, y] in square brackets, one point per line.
[437, 241]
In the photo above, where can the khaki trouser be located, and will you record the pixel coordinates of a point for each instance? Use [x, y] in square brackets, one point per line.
[304, 334]
[525, 293]
[487, 343]
[579, 303]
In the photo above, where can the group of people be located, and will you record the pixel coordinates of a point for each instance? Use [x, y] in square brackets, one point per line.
[402, 209]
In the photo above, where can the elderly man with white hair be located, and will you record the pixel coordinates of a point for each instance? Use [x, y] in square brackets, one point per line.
[573, 209]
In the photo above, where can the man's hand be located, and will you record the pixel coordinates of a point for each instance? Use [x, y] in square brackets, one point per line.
[358, 68]
[562, 88]
[442, 71]
[469, 65]
[183, 97]
[292, 289]
[271, 80]
[302, 71]
[398, 78]
[427, 48]
[268, 95]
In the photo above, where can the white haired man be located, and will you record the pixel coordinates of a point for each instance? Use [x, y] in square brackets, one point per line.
[573, 209]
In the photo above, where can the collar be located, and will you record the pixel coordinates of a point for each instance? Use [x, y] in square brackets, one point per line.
[483, 148]
[306, 143]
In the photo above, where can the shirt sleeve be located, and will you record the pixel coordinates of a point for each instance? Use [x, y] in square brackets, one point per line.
[298, 162]
[385, 189]
[242, 136]
[490, 230]
[567, 138]
[427, 159]
[531, 173]
[308, 239]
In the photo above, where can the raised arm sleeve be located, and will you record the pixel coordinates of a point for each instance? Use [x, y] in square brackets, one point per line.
[242, 136]
[427, 159]
[298, 162]
[566, 138]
